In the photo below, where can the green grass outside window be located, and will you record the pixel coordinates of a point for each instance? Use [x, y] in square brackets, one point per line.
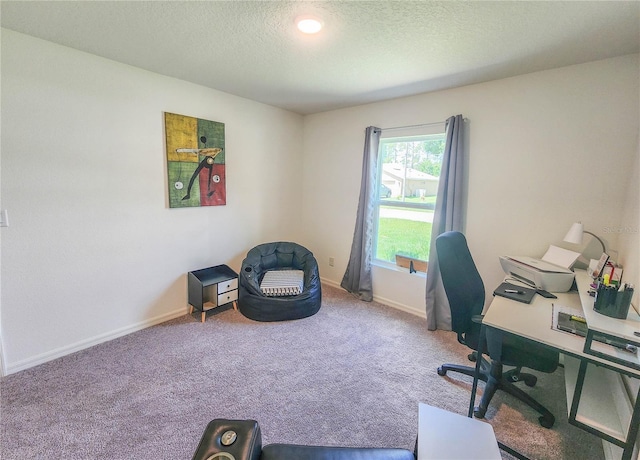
[405, 237]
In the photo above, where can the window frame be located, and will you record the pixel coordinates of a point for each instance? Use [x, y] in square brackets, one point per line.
[417, 133]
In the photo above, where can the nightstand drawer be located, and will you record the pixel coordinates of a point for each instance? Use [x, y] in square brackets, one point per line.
[227, 286]
[227, 297]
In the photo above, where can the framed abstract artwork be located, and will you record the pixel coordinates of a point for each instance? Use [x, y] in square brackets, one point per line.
[195, 161]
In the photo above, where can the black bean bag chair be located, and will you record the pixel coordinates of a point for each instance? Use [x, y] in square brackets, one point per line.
[253, 304]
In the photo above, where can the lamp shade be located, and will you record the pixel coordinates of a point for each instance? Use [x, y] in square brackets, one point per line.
[575, 233]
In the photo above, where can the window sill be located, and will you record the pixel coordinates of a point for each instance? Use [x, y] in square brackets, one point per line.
[393, 267]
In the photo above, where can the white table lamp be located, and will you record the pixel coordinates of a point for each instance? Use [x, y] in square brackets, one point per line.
[576, 233]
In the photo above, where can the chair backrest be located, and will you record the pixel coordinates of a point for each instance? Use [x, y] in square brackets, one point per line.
[461, 280]
[274, 256]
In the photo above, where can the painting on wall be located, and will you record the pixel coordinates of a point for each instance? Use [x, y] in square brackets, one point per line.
[195, 161]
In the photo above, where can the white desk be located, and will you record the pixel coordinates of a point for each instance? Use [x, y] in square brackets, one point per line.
[591, 405]
[443, 435]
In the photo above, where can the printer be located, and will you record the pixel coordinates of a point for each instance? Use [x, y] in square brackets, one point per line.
[539, 273]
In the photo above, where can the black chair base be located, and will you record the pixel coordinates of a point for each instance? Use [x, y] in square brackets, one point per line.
[495, 379]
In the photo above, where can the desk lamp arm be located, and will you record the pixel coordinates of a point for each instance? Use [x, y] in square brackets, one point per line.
[596, 237]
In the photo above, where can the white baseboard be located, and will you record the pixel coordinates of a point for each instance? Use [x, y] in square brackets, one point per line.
[12, 368]
[3, 371]
[406, 308]
[330, 283]
[83, 344]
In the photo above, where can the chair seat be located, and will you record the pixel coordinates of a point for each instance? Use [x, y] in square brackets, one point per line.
[521, 352]
[282, 283]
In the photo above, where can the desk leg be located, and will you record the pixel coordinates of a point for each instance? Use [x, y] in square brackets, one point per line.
[582, 372]
[474, 387]
[633, 429]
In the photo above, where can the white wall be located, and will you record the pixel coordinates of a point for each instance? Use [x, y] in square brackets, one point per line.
[628, 229]
[93, 251]
[546, 149]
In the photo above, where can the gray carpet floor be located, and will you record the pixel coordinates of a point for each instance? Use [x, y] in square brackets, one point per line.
[351, 375]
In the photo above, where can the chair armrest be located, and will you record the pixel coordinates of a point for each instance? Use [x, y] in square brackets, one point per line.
[477, 318]
[240, 438]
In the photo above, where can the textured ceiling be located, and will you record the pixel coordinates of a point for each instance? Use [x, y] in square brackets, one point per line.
[368, 50]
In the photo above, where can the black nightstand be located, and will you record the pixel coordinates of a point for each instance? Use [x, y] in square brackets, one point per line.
[212, 287]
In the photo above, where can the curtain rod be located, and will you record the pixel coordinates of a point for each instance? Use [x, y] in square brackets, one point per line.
[418, 126]
[414, 126]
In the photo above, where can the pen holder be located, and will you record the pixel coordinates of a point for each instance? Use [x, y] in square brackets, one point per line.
[613, 303]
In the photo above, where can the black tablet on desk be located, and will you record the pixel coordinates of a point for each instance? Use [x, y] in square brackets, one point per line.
[513, 292]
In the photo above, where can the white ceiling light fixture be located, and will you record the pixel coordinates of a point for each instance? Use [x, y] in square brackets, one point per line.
[309, 24]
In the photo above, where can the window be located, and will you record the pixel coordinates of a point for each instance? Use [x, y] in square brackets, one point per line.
[409, 164]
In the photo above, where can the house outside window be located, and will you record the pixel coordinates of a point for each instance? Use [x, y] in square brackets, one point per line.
[409, 163]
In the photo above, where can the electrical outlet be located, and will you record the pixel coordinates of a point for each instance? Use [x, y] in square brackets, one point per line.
[331, 261]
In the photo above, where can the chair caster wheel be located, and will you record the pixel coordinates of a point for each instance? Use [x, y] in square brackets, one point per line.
[531, 380]
[479, 412]
[547, 422]
[473, 357]
[442, 371]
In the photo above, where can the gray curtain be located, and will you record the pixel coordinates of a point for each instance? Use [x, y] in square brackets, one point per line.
[448, 216]
[357, 278]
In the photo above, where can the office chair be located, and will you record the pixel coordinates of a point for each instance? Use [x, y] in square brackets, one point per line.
[465, 292]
